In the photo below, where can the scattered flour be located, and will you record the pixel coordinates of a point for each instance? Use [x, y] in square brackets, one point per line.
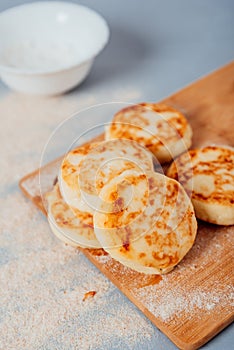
[174, 304]
[43, 282]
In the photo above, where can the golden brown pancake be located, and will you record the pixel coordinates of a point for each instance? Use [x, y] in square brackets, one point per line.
[85, 170]
[146, 221]
[69, 175]
[160, 128]
[74, 229]
[210, 178]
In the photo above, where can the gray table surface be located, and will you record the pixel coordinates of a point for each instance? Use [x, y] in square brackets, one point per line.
[156, 48]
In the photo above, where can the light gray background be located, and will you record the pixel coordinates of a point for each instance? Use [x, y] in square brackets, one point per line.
[157, 47]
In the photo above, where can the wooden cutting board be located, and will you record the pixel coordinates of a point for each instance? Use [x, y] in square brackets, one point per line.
[196, 300]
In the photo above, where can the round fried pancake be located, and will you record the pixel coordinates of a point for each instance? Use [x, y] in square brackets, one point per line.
[150, 230]
[162, 129]
[74, 229]
[69, 174]
[210, 178]
[87, 169]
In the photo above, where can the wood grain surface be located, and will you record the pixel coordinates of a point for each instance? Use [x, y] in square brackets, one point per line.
[196, 300]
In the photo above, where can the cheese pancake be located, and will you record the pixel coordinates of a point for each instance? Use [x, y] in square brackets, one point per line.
[87, 169]
[69, 175]
[146, 221]
[210, 178]
[160, 128]
[74, 229]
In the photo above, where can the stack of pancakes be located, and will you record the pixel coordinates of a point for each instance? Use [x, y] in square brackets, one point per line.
[110, 196]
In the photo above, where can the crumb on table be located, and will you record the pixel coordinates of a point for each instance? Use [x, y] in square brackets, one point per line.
[89, 294]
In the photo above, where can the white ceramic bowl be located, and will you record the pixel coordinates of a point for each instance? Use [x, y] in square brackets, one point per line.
[48, 48]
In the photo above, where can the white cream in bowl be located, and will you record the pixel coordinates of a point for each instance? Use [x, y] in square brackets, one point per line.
[49, 47]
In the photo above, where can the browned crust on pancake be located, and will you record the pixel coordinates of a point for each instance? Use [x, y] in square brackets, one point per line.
[69, 172]
[165, 245]
[130, 120]
[140, 154]
[180, 170]
[59, 208]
